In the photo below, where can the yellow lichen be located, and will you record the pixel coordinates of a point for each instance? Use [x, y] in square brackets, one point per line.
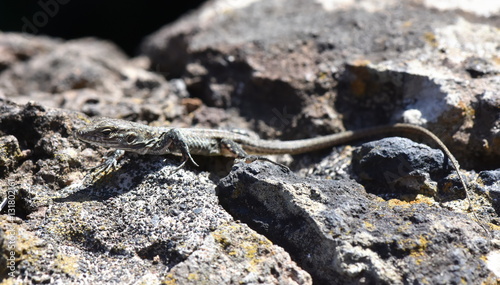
[411, 200]
[407, 24]
[494, 227]
[397, 202]
[67, 264]
[431, 39]
[169, 280]
[192, 277]
[417, 247]
[24, 244]
[369, 226]
[251, 248]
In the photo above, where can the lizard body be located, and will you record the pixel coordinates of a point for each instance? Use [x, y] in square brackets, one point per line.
[143, 139]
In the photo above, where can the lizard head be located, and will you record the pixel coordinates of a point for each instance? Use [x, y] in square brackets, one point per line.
[119, 134]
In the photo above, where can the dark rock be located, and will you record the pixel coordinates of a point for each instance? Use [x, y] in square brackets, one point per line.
[43, 134]
[398, 163]
[10, 154]
[348, 63]
[342, 235]
[141, 218]
[488, 181]
[490, 177]
[285, 70]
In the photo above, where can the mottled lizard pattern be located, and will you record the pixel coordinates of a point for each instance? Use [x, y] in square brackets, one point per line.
[143, 139]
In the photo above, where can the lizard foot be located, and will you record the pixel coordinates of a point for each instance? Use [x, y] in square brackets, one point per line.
[101, 170]
[252, 158]
[185, 159]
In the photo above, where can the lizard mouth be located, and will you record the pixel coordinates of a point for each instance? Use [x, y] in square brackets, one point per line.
[80, 134]
[96, 139]
[87, 137]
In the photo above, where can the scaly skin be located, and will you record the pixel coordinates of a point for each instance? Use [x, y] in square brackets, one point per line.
[129, 136]
[143, 139]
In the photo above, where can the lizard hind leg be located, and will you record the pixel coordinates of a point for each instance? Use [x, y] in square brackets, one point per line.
[252, 158]
[232, 149]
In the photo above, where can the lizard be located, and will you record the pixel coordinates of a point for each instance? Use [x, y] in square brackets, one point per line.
[143, 139]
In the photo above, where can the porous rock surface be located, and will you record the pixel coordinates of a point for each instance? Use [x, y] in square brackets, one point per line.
[390, 211]
[342, 235]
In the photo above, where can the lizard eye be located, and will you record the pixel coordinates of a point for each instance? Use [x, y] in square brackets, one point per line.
[106, 132]
[131, 138]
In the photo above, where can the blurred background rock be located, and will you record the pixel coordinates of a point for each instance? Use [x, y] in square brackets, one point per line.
[125, 23]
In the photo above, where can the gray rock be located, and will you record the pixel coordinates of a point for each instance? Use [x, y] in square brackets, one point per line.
[22, 47]
[75, 75]
[342, 235]
[429, 68]
[490, 177]
[286, 70]
[141, 223]
[245, 256]
[398, 165]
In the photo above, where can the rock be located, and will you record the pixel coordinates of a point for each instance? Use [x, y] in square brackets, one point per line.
[477, 8]
[349, 68]
[490, 177]
[408, 91]
[283, 70]
[342, 235]
[16, 48]
[143, 219]
[488, 182]
[246, 257]
[75, 74]
[398, 163]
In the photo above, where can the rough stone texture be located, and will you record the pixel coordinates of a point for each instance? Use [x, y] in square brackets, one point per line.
[131, 226]
[400, 164]
[75, 74]
[16, 47]
[359, 64]
[283, 69]
[488, 181]
[459, 107]
[342, 235]
[257, 261]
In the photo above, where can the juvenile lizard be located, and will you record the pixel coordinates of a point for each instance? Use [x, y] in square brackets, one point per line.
[143, 139]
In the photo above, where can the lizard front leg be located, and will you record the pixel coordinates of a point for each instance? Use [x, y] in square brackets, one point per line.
[110, 163]
[173, 141]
